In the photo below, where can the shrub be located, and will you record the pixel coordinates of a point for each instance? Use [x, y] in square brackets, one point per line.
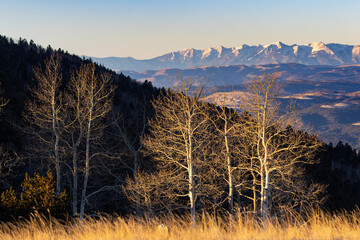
[37, 195]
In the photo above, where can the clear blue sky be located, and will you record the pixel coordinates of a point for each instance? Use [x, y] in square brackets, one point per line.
[144, 29]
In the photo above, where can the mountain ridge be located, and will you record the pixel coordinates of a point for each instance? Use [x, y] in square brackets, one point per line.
[235, 74]
[315, 53]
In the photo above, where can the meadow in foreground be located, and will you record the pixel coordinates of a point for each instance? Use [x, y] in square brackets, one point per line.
[318, 225]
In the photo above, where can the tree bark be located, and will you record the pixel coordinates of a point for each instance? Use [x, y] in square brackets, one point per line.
[55, 126]
[230, 176]
[86, 174]
[191, 175]
[87, 155]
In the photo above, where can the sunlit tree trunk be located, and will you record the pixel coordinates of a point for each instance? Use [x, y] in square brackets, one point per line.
[87, 168]
[190, 164]
[230, 175]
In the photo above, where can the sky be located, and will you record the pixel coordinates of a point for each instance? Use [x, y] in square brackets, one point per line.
[144, 29]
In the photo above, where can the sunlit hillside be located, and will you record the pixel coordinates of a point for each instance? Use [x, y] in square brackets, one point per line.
[317, 226]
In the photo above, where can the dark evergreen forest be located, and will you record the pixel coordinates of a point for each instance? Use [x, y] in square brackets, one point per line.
[338, 166]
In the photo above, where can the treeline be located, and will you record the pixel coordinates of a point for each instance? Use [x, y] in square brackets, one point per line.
[115, 145]
[38, 84]
[338, 168]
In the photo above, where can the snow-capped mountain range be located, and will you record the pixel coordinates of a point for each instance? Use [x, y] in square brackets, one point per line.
[316, 53]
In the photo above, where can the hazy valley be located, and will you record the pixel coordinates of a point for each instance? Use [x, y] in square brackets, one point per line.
[333, 114]
[327, 96]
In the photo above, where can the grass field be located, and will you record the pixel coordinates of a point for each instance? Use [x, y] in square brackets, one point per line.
[317, 226]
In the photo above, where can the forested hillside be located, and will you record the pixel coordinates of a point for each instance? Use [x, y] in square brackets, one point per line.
[20, 148]
[92, 142]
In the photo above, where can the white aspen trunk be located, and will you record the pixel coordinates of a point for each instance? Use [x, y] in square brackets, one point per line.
[254, 188]
[190, 163]
[262, 184]
[264, 191]
[266, 195]
[254, 192]
[192, 195]
[57, 138]
[87, 155]
[264, 165]
[262, 161]
[75, 145]
[87, 171]
[265, 188]
[230, 175]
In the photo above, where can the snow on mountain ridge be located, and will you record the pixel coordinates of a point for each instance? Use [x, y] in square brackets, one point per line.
[356, 54]
[206, 52]
[320, 46]
[277, 44]
[316, 53]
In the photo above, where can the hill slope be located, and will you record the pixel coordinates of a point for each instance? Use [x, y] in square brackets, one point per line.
[236, 74]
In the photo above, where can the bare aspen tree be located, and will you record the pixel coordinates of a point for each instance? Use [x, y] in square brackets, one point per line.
[76, 124]
[44, 112]
[245, 149]
[97, 98]
[228, 127]
[277, 151]
[151, 192]
[177, 130]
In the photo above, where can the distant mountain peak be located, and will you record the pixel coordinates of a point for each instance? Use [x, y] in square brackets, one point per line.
[320, 46]
[277, 44]
[356, 54]
[242, 47]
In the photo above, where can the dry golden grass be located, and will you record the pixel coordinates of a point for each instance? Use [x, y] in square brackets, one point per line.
[318, 226]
